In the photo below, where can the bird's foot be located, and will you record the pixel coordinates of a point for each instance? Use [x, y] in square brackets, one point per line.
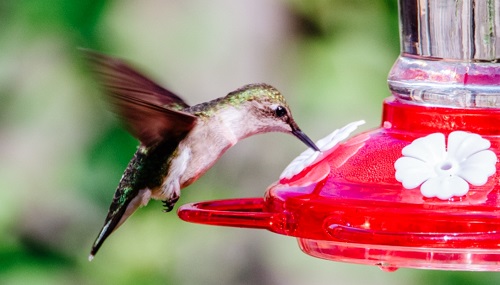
[170, 203]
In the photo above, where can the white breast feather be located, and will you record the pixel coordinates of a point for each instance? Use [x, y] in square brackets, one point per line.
[177, 169]
[227, 121]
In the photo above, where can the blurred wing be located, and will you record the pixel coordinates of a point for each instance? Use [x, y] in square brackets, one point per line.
[121, 78]
[152, 124]
[151, 113]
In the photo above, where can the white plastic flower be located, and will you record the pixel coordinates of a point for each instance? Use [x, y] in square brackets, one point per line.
[446, 171]
[309, 156]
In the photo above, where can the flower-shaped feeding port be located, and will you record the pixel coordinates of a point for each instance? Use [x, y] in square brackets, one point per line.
[310, 157]
[444, 171]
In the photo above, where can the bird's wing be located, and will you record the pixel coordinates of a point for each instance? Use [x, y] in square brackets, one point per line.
[150, 112]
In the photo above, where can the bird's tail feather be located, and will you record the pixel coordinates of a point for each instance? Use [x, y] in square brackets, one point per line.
[129, 196]
[111, 223]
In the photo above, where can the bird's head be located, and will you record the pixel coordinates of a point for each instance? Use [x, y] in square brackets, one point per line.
[266, 111]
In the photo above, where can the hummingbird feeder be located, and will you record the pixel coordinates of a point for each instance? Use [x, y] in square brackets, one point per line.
[420, 191]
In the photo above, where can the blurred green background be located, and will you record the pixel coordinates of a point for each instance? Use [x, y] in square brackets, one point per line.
[62, 152]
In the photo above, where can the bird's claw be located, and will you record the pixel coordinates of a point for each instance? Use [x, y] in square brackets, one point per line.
[170, 203]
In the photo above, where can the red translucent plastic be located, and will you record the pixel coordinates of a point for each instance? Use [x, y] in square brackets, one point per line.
[245, 213]
[359, 213]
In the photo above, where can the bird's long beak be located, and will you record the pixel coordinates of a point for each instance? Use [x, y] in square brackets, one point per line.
[304, 138]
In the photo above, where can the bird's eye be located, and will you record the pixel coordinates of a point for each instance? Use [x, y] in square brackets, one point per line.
[280, 111]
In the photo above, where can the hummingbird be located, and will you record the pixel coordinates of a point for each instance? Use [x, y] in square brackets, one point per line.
[179, 142]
